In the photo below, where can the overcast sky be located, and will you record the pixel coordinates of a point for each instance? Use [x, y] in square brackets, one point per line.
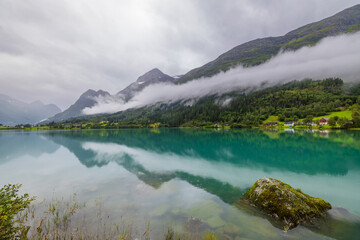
[55, 50]
[337, 56]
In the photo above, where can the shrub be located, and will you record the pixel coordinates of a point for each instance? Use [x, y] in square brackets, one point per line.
[332, 122]
[10, 205]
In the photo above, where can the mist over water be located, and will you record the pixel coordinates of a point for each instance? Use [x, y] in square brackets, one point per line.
[332, 57]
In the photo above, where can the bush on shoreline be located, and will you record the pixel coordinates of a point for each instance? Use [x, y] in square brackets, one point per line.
[11, 204]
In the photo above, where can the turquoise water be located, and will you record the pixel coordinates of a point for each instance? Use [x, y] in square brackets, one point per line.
[170, 176]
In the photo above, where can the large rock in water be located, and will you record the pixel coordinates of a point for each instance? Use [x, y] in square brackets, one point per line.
[286, 204]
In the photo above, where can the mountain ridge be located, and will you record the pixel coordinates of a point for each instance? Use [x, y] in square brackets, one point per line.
[290, 101]
[86, 100]
[14, 112]
[151, 77]
[260, 50]
[247, 54]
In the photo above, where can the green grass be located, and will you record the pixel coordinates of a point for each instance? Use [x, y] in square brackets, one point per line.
[346, 113]
[272, 119]
[353, 28]
[5, 127]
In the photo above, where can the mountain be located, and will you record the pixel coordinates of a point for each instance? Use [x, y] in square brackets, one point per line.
[288, 102]
[87, 99]
[152, 77]
[260, 50]
[248, 54]
[13, 112]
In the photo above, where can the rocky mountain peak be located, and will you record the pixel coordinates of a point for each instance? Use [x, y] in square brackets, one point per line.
[92, 93]
[153, 75]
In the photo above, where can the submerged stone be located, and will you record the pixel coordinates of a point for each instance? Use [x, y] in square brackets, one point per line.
[159, 211]
[231, 229]
[204, 210]
[215, 222]
[194, 225]
[284, 203]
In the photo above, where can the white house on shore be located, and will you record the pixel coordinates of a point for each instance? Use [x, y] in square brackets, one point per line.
[289, 124]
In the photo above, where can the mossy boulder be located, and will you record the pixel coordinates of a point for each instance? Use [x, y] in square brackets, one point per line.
[284, 203]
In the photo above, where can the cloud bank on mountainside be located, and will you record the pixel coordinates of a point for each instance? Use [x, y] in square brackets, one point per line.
[70, 46]
[332, 57]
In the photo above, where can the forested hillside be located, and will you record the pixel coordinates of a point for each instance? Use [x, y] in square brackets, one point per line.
[290, 102]
[293, 101]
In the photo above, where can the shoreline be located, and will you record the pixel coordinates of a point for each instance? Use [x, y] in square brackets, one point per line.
[194, 127]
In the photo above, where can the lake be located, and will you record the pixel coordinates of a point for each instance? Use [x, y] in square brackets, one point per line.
[188, 179]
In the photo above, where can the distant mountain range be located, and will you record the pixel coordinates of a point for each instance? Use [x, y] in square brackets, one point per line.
[248, 54]
[88, 99]
[13, 112]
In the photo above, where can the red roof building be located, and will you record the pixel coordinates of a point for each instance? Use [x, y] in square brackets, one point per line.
[324, 121]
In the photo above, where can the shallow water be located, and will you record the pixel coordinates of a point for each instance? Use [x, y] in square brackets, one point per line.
[169, 176]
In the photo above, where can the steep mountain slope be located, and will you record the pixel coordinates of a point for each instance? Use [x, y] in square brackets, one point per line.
[260, 50]
[290, 102]
[13, 112]
[151, 77]
[87, 99]
[248, 54]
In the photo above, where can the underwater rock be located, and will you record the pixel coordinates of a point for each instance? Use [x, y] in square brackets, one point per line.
[194, 224]
[229, 231]
[159, 211]
[232, 229]
[207, 212]
[215, 222]
[204, 210]
[284, 203]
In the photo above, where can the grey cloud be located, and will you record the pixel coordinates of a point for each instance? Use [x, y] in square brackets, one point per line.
[332, 57]
[55, 50]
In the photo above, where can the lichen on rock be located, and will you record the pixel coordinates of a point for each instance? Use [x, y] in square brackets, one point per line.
[284, 203]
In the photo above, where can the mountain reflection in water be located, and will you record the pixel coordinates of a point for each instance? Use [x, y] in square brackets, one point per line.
[222, 163]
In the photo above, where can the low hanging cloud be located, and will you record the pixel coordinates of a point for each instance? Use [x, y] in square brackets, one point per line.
[332, 57]
[55, 50]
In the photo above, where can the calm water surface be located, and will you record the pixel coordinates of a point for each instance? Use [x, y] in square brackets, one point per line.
[168, 176]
